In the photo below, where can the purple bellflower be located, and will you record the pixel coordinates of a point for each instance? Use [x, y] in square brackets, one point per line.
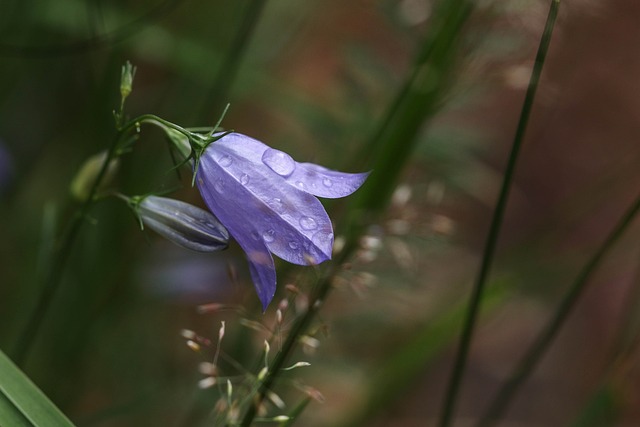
[267, 202]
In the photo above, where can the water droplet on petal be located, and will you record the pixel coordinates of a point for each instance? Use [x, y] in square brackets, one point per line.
[268, 236]
[219, 186]
[300, 184]
[276, 204]
[279, 162]
[225, 161]
[293, 245]
[308, 223]
[255, 235]
[244, 179]
[327, 182]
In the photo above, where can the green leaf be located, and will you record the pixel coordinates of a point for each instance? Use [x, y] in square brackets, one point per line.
[10, 415]
[22, 403]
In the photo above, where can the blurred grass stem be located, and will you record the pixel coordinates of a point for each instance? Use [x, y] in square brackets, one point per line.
[466, 336]
[62, 249]
[56, 268]
[546, 336]
[392, 146]
[223, 82]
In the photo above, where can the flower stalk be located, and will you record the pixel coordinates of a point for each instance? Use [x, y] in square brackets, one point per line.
[62, 249]
[477, 293]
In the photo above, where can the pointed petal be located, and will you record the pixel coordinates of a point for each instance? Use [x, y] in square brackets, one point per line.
[323, 182]
[249, 198]
[261, 264]
[263, 273]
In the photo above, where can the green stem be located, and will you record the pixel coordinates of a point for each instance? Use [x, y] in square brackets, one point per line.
[216, 97]
[496, 223]
[546, 336]
[391, 146]
[297, 330]
[62, 251]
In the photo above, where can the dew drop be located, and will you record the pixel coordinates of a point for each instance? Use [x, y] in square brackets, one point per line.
[255, 235]
[327, 182]
[268, 236]
[225, 161]
[244, 179]
[276, 204]
[300, 184]
[219, 186]
[308, 223]
[279, 162]
[294, 245]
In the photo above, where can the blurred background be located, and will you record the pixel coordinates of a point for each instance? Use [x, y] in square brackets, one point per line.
[314, 79]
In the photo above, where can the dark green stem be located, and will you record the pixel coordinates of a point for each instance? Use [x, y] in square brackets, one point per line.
[392, 146]
[494, 230]
[546, 336]
[297, 330]
[228, 71]
[62, 251]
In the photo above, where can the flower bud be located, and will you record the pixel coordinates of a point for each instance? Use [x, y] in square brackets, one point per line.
[86, 176]
[179, 141]
[126, 80]
[183, 224]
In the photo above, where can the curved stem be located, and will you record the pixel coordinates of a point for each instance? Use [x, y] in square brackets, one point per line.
[494, 230]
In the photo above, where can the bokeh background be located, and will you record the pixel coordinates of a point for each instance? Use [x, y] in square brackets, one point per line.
[314, 79]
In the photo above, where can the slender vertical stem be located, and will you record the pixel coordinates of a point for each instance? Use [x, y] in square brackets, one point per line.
[57, 266]
[301, 324]
[60, 256]
[217, 96]
[393, 143]
[546, 336]
[494, 230]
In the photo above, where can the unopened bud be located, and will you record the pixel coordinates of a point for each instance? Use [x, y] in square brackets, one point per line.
[193, 345]
[86, 177]
[277, 400]
[179, 140]
[188, 334]
[297, 365]
[221, 331]
[208, 368]
[207, 383]
[263, 373]
[183, 224]
[126, 80]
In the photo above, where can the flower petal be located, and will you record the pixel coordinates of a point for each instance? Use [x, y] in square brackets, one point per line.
[263, 271]
[261, 266]
[323, 182]
[250, 198]
[309, 177]
[267, 202]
